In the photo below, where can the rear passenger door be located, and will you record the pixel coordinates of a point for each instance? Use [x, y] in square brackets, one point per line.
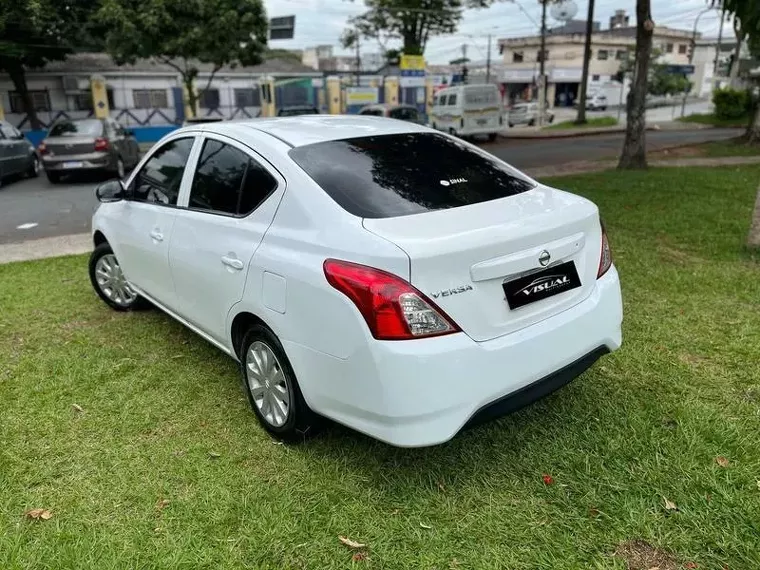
[232, 200]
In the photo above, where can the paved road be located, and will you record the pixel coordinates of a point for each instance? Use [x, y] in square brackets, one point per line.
[31, 209]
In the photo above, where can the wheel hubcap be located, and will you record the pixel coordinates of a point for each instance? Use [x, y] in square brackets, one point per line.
[111, 281]
[36, 166]
[267, 383]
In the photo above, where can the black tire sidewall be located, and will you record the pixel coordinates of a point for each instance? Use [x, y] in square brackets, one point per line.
[301, 419]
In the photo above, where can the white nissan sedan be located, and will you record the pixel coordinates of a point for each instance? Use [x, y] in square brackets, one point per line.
[376, 272]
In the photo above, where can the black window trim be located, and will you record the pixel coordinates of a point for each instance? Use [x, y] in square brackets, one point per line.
[248, 151]
[191, 159]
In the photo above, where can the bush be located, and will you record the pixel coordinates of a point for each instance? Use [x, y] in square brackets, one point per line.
[731, 103]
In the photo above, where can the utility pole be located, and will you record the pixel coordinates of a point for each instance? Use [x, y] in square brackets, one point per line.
[488, 61]
[692, 46]
[541, 73]
[464, 63]
[717, 48]
[586, 61]
[358, 60]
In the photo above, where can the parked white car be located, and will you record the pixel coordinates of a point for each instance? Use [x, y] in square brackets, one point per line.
[468, 110]
[527, 114]
[392, 278]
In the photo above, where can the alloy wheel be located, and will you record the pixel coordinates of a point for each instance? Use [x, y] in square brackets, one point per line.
[268, 384]
[111, 281]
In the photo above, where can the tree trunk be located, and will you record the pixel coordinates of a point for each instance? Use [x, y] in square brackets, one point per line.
[753, 131]
[733, 73]
[586, 59]
[634, 153]
[753, 239]
[192, 97]
[18, 76]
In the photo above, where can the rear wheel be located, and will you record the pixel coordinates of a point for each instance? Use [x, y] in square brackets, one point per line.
[531, 122]
[34, 167]
[109, 282]
[272, 388]
[491, 137]
[53, 177]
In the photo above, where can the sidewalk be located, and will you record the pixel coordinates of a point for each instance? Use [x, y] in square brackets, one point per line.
[82, 243]
[538, 133]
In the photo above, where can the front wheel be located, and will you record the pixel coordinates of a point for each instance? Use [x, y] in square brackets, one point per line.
[34, 167]
[272, 388]
[109, 282]
[491, 137]
[53, 177]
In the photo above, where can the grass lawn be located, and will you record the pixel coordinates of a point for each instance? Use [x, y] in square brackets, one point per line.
[710, 119]
[163, 466]
[593, 123]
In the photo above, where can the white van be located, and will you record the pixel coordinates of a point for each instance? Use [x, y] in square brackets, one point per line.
[467, 110]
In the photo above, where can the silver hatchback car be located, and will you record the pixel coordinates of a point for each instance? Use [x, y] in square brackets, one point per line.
[86, 145]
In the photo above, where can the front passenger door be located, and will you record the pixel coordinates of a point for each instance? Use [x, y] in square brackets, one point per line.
[147, 220]
[233, 198]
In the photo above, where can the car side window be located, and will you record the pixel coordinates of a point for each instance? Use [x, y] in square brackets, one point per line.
[158, 181]
[404, 114]
[228, 181]
[7, 131]
[453, 99]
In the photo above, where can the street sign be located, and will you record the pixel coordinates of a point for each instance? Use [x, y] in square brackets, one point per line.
[412, 63]
[680, 69]
[282, 28]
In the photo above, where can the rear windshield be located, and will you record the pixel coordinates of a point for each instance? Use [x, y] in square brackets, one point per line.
[402, 174]
[87, 127]
[476, 96]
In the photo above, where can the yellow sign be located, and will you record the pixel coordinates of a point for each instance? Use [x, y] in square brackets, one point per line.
[412, 62]
[361, 95]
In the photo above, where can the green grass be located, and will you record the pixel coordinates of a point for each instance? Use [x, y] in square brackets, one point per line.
[734, 147]
[593, 123]
[710, 119]
[645, 423]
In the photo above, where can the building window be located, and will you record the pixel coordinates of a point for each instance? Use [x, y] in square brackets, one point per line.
[682, 48]
[150, 99]
[603, 54]
[517, 57]
[668, 48]
[83, 100]
[40, 101]
[621, 55]
[545, 58]
[209, 99]
[595, 77]
[247, 98]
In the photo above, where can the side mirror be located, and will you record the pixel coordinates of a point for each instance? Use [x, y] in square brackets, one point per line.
[129, 133]
[110, 191]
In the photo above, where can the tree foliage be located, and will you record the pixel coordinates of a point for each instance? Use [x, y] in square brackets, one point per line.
[413, 22]
[182, 33]
[33, 32]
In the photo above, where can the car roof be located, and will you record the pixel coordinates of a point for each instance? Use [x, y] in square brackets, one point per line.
[310, 129]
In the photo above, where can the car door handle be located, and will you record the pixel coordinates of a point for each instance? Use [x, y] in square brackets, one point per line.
[157, 235]
[232, 262]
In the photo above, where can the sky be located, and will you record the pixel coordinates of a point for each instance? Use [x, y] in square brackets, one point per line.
[322, 22]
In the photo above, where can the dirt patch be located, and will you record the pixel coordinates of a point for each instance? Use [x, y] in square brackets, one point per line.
[692, 359]
[689, 151]
[640, 555]
[674, 255]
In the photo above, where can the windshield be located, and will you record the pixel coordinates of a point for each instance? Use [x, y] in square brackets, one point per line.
[398, 175]
[296, 111]
[87, 128]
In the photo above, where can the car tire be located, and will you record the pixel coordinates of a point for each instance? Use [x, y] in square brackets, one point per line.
[532, 122]
[492, 137]
[34, 168]
[108, 281]
[511, 125]
[272, 387]
[53, 177]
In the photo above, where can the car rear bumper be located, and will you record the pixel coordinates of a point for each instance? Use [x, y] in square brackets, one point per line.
[422, 392]
[93, 161]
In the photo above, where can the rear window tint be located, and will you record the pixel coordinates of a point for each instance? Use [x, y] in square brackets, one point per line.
[87, 127]
[402, 174]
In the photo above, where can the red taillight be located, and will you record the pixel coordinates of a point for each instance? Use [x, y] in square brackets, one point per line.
[42, 148]
[392, 308]
[605, 259]
[101, 144]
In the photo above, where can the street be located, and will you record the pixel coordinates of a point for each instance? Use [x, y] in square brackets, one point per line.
[34, 208]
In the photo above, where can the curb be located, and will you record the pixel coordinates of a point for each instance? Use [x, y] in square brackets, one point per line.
[46, 247]
[574, 133]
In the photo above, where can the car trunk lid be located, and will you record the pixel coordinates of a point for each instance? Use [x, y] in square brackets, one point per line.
[70, 145]
[462, 257]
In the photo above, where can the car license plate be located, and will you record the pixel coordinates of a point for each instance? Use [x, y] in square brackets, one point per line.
[73, 164]
[541, 285]
[482, 121]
